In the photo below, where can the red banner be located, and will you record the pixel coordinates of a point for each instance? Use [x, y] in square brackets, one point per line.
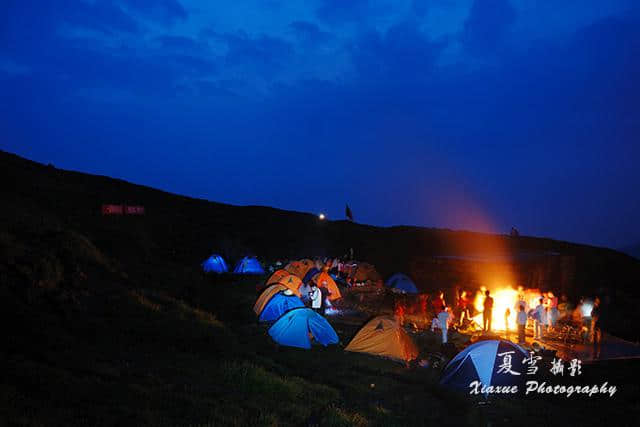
[122, 210]
[134, 210]
[112, 210]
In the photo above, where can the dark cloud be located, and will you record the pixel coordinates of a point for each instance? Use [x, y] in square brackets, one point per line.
[341, 12]
[309, 33]
[178, 42]
[217, 88]
[103, 16]
[403, 52]
[419, 8]
[487, 25]
[25, 26]
[166, 11]
[263, 55]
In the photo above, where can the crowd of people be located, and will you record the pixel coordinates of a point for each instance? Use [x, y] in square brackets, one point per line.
[544, 318]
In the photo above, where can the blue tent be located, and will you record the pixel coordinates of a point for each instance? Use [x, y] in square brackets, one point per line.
[292, 329]
[402, 283]
[307, 277]
[215, 264]
[487, 362]
[248, 265]
[278, 305]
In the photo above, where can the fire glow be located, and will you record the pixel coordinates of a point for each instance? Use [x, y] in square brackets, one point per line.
[503, 299]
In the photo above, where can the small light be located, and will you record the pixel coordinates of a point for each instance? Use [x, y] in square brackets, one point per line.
[321, 216]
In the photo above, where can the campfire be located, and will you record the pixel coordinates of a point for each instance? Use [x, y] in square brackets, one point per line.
[503, 299]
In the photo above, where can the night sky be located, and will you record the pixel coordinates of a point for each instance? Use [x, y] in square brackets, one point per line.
[462, 114]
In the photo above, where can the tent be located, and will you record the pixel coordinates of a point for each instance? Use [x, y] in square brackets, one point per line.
[324, 277]
[266, 295]
[215, 264]
[294, 328]
[486, 361]
[312, 272]
[279, 304]
[276, 276]
[367, 272]
[248, 265]
[292, 282]
[402, 283]
[299, 268]
[383, 336]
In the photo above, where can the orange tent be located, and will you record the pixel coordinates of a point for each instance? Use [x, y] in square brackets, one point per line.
[383, 336]
[275, 277]
[292, 282]
[299, 268]
[366, 271]
[322, 278]
[266, 295]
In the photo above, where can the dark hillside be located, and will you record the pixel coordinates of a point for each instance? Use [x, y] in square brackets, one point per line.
[183, 230]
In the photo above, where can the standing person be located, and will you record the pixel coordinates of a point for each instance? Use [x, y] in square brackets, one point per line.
[399, 312]
[547, 323]
[521, 320]
[423, 305]
[443, 319]
[585, 307]
[463, 302]
[521, 302]
[438, 303]
[596, 315]
[324, 292]
[538, 316]
[553, 309]
[488, 312]
[316, 298]
[507, 314]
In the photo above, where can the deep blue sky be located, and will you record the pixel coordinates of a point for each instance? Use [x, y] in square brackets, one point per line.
[466, 114]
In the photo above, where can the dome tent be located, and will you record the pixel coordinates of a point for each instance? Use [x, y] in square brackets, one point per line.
[383, 336]
[278, 305]
[402, 283]
[266, 295]
[323, 279]
[367, 272]
[299, 268]
[483, 362]
[292, 282]
[276, 276]
[293, 328]
[248, 265]
[215, 264]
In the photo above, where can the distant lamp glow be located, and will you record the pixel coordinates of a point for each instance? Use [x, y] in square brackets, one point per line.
[321, 217]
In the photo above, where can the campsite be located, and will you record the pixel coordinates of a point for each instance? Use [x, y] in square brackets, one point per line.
[125, 320]
[368, 213]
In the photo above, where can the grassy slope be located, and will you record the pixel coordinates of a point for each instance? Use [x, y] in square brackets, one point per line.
[111, 323]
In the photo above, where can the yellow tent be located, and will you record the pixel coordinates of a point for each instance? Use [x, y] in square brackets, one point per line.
[266, 295]
[383, 336]
[324, 279]
[299, 268]
[292, 282]
[275, 277]
[366, 271]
